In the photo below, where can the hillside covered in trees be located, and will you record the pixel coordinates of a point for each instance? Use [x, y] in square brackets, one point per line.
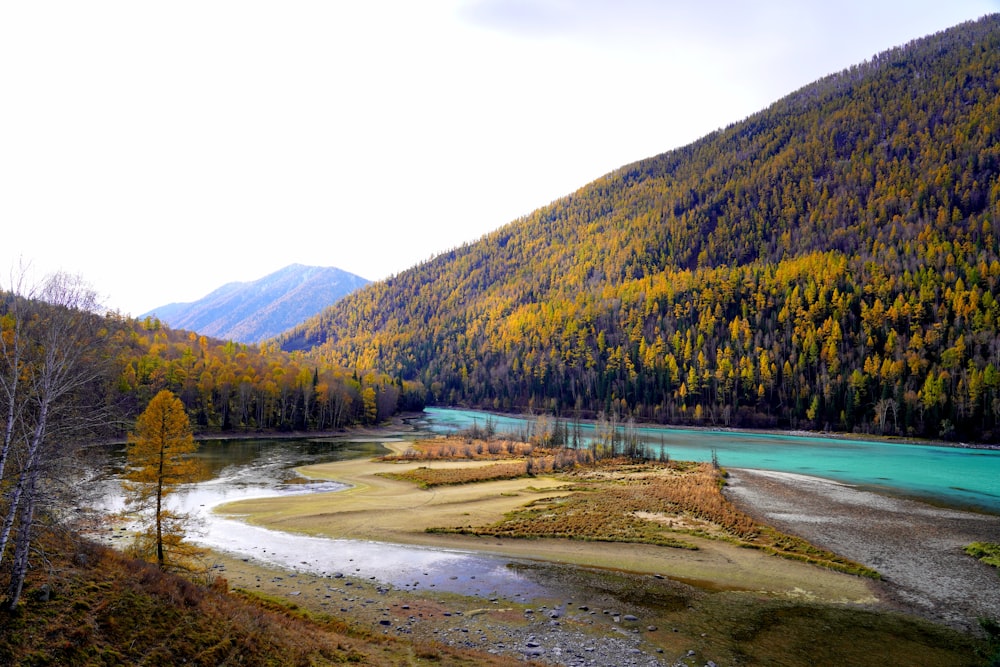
[228, 386]
[829, 262]
[224, 385]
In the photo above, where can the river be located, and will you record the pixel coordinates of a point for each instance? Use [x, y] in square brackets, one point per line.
[238, 469]
[959, 477]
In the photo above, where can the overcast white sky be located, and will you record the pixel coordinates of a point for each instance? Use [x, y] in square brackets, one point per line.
[162, 149]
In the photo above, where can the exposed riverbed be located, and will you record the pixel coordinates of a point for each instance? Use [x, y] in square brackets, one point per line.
[550, 611]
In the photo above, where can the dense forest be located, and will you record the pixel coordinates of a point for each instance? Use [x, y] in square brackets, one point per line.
[830, 262]
[224, 385]
[228, 386]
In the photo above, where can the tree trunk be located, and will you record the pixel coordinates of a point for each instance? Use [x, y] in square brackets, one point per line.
[25, 483]
[22, 542]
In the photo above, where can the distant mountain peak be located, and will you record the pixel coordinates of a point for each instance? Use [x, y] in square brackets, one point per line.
[249, 312]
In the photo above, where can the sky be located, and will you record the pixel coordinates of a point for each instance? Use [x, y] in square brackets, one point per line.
[163, 149]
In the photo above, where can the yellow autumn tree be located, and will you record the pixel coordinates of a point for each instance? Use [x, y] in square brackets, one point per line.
[157, 463]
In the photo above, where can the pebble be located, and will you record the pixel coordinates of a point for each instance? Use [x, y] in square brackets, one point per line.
[547, 635]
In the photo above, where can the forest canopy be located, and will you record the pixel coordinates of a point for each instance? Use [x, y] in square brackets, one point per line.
[830, 262]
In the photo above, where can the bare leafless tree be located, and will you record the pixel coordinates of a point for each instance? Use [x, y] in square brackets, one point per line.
[51, 356]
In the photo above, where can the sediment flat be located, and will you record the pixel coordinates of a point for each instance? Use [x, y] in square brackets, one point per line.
[382, 509]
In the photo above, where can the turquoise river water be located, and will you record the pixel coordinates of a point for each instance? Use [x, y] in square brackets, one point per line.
[960, 477]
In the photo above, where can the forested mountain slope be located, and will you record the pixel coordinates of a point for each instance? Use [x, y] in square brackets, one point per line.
[249, 312]
[831, 261]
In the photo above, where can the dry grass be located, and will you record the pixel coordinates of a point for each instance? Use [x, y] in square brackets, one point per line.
[458, 448]
[91, 605]
[427, 478]
[618, 500]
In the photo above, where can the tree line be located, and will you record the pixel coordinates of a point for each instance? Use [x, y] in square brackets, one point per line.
[228, 386]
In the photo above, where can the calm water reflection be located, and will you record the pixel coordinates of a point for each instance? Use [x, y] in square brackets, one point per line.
[242, 469]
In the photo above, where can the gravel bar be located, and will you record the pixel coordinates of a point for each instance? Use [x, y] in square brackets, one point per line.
[916, 547]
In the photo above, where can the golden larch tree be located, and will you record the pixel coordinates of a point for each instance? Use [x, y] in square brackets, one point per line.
[158, 463]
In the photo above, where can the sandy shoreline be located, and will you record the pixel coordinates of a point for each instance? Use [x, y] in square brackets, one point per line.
[917, 548]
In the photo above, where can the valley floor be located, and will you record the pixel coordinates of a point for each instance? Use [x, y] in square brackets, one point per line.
[383, 509]
[722, 600]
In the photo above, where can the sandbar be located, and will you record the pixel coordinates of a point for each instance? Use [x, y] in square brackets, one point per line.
[382, 509]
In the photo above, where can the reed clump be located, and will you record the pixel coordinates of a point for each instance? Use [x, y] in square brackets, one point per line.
[462, 448]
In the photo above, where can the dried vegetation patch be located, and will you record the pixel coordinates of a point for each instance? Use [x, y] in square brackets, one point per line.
[92, 605]
[430, 477]
[618, 500]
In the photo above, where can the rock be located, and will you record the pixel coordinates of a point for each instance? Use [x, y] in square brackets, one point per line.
[43, 593]
[630, 617]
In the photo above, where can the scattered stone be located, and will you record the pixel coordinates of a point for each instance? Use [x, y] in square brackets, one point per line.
[43, 593]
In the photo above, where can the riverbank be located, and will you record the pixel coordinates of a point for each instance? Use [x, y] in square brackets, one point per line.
[917, 548]
[637, 604]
